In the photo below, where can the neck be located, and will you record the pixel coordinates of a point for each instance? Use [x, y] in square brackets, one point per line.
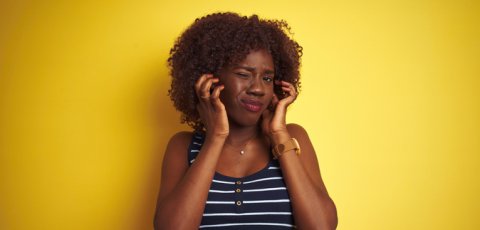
[240, 135]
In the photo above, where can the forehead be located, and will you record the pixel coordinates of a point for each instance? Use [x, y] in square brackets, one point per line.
[257, 59]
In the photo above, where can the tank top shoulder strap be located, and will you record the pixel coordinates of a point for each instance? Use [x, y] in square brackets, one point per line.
[195, 146]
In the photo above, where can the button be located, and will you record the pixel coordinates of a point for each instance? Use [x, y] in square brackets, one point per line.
[238, 190]
[239, 182]
[239, 203]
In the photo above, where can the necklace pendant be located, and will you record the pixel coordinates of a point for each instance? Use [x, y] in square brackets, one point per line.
[242, 152]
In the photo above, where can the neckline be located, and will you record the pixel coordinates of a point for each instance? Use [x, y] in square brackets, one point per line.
[270, 162]
[253, 175]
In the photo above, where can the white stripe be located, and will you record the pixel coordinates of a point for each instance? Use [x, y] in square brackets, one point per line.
[223, 182]
[196, 143]
[272, 167]
[237, 224]
[247, 214]
[264, 189]
[194, 150]
[220, 191]
[220, 202]
[265, 201]
[263, 179]
[192, 160]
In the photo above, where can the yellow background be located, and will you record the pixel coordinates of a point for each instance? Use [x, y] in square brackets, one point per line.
[391, 99]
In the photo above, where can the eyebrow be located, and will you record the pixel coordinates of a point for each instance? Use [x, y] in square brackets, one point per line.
[252, 69]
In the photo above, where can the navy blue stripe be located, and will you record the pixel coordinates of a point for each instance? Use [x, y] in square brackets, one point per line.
[272, 208]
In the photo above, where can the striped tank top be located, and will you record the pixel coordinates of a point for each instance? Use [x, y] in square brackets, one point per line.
[257, 201]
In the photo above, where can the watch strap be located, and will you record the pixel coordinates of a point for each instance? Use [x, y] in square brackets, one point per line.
[280, 149]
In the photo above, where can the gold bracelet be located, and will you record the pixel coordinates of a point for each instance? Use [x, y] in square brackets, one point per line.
[280, 149]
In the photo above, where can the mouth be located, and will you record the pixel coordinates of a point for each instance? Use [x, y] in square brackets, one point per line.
[251, 105]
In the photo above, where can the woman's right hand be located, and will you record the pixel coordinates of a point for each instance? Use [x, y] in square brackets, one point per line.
[211, 109]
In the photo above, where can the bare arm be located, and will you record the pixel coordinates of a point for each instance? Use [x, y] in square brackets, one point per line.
[184, 190]
[312, 206]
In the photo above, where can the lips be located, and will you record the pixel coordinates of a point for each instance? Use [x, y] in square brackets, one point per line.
[251, 105]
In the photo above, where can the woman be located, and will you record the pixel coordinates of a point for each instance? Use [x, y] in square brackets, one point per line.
[243, 167]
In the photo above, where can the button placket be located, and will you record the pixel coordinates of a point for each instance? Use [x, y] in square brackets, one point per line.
[238, 195]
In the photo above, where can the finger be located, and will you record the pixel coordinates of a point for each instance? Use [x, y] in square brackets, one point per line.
[286, 89]
[200, 82]
[290, 89]
[286, 86]
[285, 83]
[205, 88]
[288, 99]
[216, 91]
[215, 97]
[201, 79]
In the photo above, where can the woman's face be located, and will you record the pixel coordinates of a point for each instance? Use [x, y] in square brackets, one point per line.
[248, 88]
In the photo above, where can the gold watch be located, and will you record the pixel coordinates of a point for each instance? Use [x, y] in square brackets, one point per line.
[280, 149]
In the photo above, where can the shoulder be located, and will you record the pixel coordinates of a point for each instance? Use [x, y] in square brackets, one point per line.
[297, 131]
[174, 162]
[182, 138]
[177, 147]
[308, 157]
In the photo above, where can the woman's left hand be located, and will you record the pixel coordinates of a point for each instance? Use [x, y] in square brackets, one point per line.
[274, 118]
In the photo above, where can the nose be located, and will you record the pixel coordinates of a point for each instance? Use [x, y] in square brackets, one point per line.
[256, 87]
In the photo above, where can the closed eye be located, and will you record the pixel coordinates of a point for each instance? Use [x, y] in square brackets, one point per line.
[241, 74]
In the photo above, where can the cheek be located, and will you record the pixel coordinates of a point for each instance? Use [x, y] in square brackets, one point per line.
[231, 89]
[227, 95]
[269, 90]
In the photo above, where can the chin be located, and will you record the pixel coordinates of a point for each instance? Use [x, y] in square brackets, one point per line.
[245, 120]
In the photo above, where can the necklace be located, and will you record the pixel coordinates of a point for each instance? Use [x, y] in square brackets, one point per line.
[243, 147]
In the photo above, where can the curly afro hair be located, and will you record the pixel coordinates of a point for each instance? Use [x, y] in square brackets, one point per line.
[218, 40]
